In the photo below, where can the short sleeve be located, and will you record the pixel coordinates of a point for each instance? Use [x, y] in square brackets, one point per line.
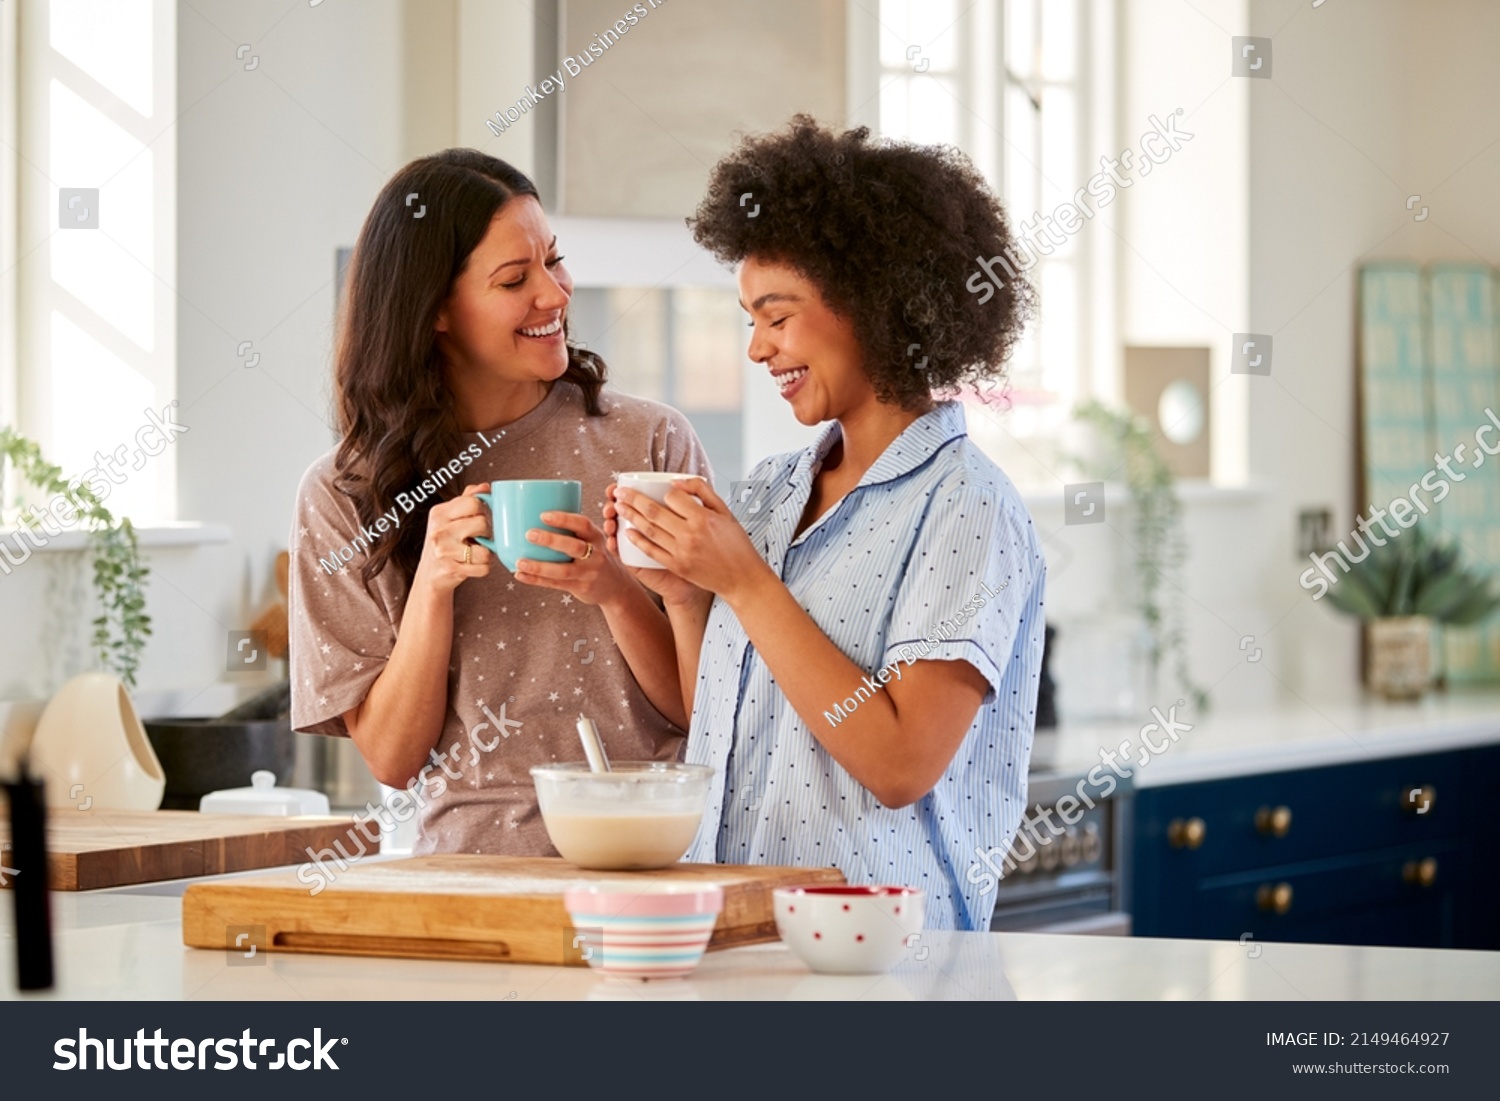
[964, 593]
[341, 634]
[676, 448]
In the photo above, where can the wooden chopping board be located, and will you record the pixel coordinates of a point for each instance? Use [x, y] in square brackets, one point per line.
[87, 850]
[457, 906]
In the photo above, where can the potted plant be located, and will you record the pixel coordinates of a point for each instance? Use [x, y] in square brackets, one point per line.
[1400, 589]
[122, 626]
[89, 748]
[1156, 533]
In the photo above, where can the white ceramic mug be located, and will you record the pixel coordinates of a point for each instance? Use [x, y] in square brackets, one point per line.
[654, 484]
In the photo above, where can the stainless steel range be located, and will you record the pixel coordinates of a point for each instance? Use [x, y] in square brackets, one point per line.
[1068, 879]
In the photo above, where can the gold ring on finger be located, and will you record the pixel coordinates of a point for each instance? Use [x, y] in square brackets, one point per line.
[468, 554]
[587, 552]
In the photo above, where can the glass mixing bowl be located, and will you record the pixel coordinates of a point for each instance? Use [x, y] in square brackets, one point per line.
[641, 814]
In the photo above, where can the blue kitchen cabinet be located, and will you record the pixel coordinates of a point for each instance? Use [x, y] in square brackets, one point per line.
[1479, 916]
[1401, 851]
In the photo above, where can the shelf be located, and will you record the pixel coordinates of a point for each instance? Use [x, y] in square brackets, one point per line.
[183, 534]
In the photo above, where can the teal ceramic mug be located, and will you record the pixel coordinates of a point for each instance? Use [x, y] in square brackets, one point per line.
[516, 507]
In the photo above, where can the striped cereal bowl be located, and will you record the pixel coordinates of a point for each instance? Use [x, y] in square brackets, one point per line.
[647, 929]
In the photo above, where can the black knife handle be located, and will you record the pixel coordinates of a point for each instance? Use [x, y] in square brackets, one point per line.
[28, 857]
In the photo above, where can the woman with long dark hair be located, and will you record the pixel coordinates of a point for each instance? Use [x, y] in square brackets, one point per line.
[453, 369]
[865, 618]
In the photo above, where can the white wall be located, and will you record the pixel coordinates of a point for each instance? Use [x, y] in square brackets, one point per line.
[1370, 103]
[495, 48]
[1260, 224]
[277, 167]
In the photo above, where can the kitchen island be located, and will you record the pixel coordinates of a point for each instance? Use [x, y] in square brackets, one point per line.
[126, 944]
[1357, 822]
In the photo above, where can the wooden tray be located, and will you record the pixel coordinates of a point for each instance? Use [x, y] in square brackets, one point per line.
[459, 907]
[91, 849]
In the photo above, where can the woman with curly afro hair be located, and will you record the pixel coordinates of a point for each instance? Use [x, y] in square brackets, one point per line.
[859, 631]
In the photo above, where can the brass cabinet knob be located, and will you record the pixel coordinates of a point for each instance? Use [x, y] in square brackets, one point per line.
[1277, 899]
[1186, 833]
[1418, 798]
[1422, 872]
[1274, 822]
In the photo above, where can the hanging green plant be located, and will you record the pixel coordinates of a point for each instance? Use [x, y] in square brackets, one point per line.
[1156, 531]
[121, 628]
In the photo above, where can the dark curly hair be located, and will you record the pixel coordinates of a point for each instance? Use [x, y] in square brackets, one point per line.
[892, 234]
[395, 414]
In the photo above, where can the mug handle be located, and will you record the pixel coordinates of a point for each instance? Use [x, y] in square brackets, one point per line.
[487, 541]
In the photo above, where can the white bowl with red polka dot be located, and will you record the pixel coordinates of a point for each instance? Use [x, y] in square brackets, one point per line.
[849, 930]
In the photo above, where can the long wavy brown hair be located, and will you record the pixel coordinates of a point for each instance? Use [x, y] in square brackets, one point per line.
[395, 414]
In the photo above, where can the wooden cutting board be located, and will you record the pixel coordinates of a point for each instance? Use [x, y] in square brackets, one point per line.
[91, 849]
[458, 906]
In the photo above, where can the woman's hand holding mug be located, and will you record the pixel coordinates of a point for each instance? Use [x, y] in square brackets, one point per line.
[694, 535]
[663, 582]
[449, 554]
[594, 576]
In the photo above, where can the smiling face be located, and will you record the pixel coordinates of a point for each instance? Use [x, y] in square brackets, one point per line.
[502, 320]
[810, 351]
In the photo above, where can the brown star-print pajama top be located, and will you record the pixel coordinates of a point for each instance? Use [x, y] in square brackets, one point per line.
[525, 661]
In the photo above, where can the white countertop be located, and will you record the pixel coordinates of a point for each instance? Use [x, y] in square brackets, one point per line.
[1223, 744]
[126, 944]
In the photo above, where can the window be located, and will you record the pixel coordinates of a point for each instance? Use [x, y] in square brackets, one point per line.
[96, 254]
[937, 77]
[1041, 118]
[1010, 69]
[920, 40]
